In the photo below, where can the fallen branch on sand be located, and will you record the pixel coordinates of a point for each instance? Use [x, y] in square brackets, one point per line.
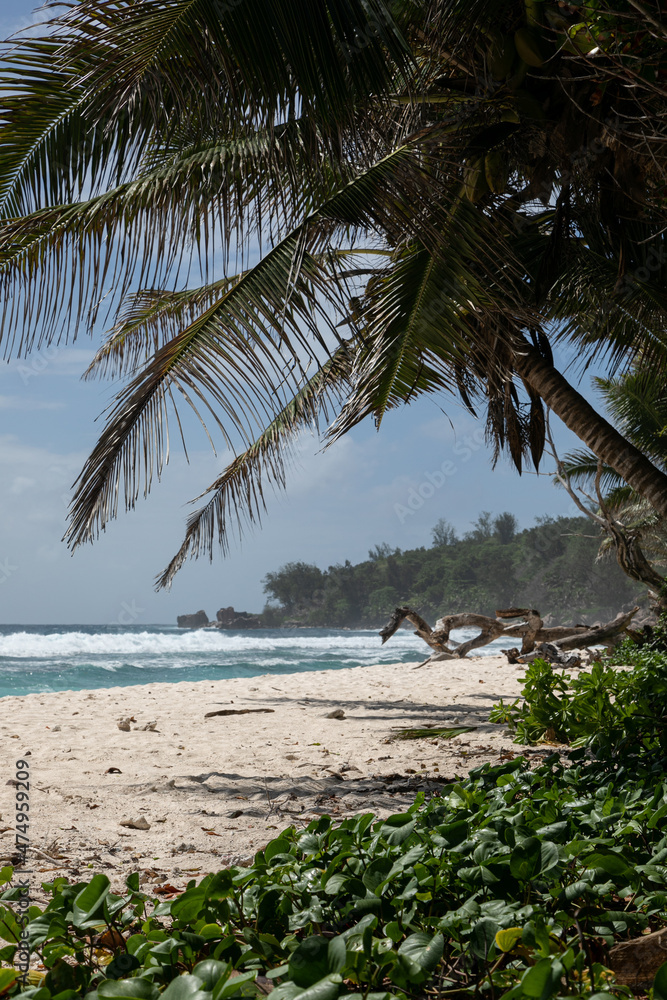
[237, 711]
[529, 628]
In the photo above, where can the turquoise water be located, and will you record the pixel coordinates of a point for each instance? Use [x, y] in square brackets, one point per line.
[42, 658]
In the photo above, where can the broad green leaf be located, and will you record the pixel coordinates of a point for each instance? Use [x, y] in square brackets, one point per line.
[525, 859]
[7, 978]
[309, 963]
[423, 949]
[336, 954]
[219, 886]
[609, 862]
[308, 843]
[393, 931]
[276, 847]
[10, 929]
[542, 979]
[188, 906]
[507, 938]
[185, 987]
[483, 936]
[376, 873]
[132, 882]
[574, 890]
[660, 983]
[122, 965]
[243, 984]
[397, 829]
[90, 901]
[127, 989]
[211, 971]
[548, 856]
[326, 989]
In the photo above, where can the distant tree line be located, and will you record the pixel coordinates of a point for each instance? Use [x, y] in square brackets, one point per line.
[552, 566]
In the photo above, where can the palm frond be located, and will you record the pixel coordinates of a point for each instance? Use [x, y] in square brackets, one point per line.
[434, 315]
[637, 401]
[239, 493]
[238, 361]
[51, 146]
[614, 318]
[55, 262]
[147, 321]
[261, 59]
[581, 467]
[154, 216]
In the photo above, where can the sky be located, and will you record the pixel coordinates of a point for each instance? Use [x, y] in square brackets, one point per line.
[367, 489]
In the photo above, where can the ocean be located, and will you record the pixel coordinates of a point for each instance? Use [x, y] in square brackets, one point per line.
[43, 658]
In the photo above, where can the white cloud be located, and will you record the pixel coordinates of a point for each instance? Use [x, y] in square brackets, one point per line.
[20, 484]
[29, 403]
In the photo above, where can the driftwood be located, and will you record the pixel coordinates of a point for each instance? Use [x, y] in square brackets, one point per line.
[637, 961]
[530, 629]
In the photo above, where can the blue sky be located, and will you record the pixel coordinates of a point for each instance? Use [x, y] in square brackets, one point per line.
[339, 504]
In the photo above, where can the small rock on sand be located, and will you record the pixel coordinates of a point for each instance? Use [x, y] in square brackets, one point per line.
[337, 713]
[136, 824]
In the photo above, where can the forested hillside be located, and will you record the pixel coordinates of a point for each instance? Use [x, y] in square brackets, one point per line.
[552, 566]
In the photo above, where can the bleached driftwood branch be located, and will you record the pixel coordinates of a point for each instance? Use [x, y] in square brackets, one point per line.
[530, 629]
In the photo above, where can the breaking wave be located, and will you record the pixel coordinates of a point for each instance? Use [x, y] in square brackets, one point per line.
[57, 658]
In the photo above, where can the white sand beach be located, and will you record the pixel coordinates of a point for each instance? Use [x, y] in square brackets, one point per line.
[210, 791]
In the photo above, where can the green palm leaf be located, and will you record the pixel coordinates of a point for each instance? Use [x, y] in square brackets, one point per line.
[232, 358]
[238, 494]
[147, 321]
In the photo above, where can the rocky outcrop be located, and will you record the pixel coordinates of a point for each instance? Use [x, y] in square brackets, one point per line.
[229, 618]
[225, 618]
[198, 620]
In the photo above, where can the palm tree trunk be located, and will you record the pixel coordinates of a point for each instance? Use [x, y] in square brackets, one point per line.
[592, 428]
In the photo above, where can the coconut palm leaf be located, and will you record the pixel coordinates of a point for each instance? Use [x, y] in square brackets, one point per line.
[233, 357]
[51, 147]
[234, 360]
[614, 317]
[260, 58]
[427, 319]
[147, 321]
[81, 103]
[153, 216]
[239, 493]
[581, 466]
[638, 402]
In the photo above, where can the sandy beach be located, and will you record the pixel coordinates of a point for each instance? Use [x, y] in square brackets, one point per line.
[176, 792]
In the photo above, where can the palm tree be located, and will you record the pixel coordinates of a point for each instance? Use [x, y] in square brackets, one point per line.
[391, 168]
[637, 403]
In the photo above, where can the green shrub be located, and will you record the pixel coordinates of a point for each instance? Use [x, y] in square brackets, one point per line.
[615, 712]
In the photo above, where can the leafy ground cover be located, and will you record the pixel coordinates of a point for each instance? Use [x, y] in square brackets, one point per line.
[512, 883]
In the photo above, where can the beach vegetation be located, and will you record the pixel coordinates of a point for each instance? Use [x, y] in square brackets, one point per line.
[553, 565]
[617, 708]
[514, 882]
